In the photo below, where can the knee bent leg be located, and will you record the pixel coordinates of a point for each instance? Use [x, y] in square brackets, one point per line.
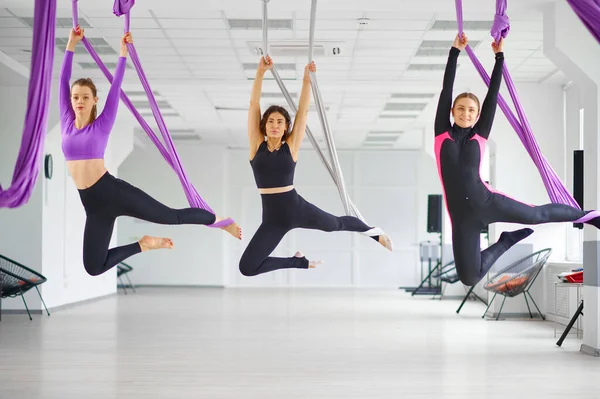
[93, 268]
[247, 268]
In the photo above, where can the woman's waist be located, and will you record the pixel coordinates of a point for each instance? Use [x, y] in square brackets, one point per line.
[275, 190]
[85, 173]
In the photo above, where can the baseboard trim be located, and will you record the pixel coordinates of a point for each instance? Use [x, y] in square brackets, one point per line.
[174, 286]
[58, 308]
[588, 350]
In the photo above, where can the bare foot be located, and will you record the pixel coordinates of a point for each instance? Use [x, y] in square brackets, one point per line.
[385, 241]
[234, 229]
[147, 243]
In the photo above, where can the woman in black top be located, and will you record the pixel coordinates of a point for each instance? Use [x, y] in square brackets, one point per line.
[274, 147]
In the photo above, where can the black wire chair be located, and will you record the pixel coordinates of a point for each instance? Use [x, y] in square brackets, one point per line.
[449, 275]
[122, 270]
[517, 279]
[16, 280]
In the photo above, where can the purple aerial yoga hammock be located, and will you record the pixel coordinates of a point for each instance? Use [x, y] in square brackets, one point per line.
[554, 186]
[589, 13]
[169, 154]
[36, 115]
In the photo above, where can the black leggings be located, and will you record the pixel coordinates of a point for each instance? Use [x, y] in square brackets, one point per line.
[282, 213]
[109, 198]
[472, 264]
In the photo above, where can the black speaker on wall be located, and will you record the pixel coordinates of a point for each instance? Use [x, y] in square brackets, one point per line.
[434, 213]
[578, 181]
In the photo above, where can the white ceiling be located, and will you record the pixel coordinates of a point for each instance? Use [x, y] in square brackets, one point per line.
[195, 61]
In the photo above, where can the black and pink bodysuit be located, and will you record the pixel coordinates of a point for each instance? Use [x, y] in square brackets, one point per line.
[471, 203]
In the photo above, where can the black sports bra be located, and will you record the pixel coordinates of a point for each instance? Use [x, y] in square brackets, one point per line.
[273, 169]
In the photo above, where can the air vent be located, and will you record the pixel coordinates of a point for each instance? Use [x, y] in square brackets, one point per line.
[137, 93]
[280, 66]
[439, 48]
[277, 95]
[296, 49]
[99, 50]
[100, 45]
[450, 25]
[185, 137]
[162, 104]
[378, 139]
[183, 131]
[60, 22]
[268, 78]
[314, 108]
[386, 132]
[165, 112]
[95, 41]
[413, 95]
[93, 65]
[377, 145]
[405, 106]
[255, 24]
[436, 44]
[218, 108]
[389, 116]
[426, 67]
[432, 52]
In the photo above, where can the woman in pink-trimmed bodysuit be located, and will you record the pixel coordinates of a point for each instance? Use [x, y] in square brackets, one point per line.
[472, 205]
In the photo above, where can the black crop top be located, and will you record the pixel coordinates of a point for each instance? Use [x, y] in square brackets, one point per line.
[273, 169]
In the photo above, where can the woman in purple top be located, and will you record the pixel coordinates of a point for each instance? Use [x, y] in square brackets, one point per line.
[471, 203]
[104, 197]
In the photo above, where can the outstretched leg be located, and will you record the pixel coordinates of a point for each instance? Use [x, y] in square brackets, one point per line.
[472, 264]
[309, 216]
[505, 209]
[136, 203]
[256, 260]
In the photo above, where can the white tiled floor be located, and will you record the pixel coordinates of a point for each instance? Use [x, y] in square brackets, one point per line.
[280, 343]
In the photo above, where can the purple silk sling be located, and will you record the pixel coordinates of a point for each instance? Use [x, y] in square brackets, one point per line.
[557, 191]
[589, 13]
[122, 7]
[36, 116]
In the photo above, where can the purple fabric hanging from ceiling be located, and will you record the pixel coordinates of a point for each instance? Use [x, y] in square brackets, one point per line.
[589, 13]
[36, 116]
[122, 7]
[169, 152]
[501, 24]
[557, 191]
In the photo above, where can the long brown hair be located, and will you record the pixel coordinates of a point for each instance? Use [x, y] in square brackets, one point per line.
[87, 82]
[470, 96]
[282, 111]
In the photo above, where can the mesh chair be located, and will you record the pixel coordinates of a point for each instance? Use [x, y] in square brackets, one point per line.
[517, 279]
[16, 280]
[449, 275]
[122, 270]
